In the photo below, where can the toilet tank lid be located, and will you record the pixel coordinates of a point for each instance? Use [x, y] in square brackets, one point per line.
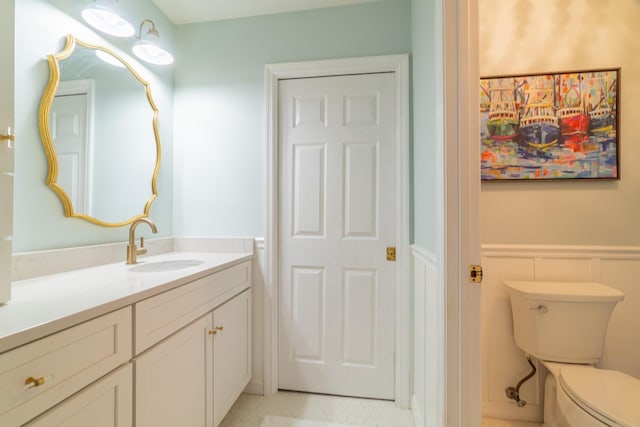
[566, 291]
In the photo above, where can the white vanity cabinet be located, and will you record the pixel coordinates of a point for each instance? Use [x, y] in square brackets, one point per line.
[173, 386]
[231, 353]
[106, 403]
[37, 376]
[172, 358]
[190, 372]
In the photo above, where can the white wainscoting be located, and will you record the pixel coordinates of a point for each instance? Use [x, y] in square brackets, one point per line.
[504, 363]
[427, 402]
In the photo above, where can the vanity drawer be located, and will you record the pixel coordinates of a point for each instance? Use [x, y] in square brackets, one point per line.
[159, 316]
[61, 364]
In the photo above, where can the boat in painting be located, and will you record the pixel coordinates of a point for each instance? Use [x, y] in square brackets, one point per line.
[601, 121]
[600, 113]
[572, 114]
[503, 119]
[539, 126]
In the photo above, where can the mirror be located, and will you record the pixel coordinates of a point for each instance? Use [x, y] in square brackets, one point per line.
[99, 127]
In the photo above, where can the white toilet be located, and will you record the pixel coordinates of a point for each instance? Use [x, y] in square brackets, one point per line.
[564, 325]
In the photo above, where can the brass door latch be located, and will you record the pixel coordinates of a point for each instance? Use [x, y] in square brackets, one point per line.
[475, 274]
[391, 253]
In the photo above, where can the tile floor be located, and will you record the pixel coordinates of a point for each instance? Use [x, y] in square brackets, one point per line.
[250, 410]
[491, 422]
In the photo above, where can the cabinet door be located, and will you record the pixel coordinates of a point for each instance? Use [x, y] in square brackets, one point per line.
[106, 403]
[231, 353]
[173, 379]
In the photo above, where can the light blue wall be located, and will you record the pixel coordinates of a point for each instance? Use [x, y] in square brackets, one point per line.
[425, 109]
[219, 125]
[41, 25]
[428, 287]
[219, 101]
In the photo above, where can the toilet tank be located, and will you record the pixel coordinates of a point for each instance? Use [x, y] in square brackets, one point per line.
[562, 321]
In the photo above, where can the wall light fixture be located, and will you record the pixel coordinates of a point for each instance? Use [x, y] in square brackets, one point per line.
[105, 16]
[149, 48]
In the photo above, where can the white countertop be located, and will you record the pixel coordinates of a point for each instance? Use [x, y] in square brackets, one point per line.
[48, 304]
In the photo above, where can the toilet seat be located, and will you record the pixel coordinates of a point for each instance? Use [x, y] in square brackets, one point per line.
[609, 396]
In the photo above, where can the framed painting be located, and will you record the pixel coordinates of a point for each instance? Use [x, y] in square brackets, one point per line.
[550, 126]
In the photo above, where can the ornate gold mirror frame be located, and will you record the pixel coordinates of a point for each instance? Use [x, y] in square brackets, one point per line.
[47, 140]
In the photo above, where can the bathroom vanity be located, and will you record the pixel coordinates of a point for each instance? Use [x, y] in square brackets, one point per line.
[163, 343]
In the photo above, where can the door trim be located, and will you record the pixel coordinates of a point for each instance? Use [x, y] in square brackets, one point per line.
[461, 240]
[398, 64]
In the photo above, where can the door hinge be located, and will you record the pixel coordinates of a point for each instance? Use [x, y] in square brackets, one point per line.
[391, 253]
[475, 274]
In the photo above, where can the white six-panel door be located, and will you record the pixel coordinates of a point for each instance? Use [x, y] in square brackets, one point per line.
[69, 132]
[336, 327]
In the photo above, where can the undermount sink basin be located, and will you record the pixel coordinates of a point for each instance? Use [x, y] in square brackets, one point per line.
[163, 266]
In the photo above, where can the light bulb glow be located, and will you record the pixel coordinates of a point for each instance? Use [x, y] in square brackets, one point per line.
[108, 22]
[152, 53]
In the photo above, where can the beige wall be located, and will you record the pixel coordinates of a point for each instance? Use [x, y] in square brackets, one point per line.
[523, 36]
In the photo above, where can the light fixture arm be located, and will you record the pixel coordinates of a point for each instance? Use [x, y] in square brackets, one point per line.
[151, 30]
[148, 47]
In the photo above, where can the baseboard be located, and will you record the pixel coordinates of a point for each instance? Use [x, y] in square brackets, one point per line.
[416, 410]
[255, 386]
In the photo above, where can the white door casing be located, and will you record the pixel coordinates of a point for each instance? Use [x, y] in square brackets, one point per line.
[460, 197]
[399, 66]
[335, 327]
[7, 152]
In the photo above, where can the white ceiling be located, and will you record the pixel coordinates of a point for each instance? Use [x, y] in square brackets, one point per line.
[188, 11]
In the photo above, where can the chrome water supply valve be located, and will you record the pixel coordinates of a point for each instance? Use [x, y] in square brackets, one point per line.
[513, 393]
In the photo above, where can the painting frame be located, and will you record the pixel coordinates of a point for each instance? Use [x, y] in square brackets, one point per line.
[550, 126]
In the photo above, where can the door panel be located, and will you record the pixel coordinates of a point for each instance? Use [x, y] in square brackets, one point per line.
[308, 286]
[69, 133]
[337, 216]
[309, 190]
[360, 308]
[360, 193]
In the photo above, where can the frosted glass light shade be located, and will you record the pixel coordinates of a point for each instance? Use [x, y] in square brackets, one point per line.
[148, 50]
[103, 16]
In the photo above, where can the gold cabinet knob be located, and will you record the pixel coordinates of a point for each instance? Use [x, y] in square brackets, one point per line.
[32, 382]
[216, 329]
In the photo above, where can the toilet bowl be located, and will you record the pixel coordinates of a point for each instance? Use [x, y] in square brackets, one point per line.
[585, 396]
[564, 326]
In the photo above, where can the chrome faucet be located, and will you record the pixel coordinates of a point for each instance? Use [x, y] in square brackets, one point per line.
[132, 249]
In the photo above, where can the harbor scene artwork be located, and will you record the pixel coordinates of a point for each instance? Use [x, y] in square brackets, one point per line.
[550, 126]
